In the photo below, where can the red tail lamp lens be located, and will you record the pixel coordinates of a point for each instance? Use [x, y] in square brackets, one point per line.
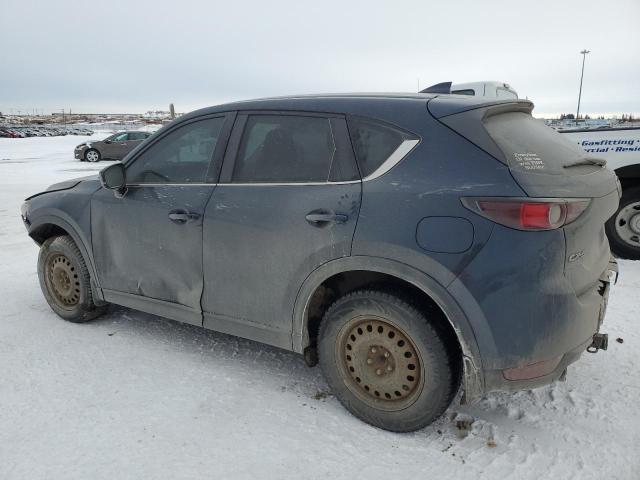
[528, 214]
[542, 216]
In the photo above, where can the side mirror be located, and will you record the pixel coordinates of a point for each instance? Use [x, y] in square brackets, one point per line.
[113, 177]
[106, 141]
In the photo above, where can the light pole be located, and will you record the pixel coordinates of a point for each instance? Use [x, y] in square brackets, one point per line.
[584, 56]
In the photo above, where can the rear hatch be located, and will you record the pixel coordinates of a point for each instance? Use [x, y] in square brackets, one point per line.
[545, 165]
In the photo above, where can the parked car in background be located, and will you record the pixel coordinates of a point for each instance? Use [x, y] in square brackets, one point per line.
[278, 220]
[6, 133]
[114, 147]
[23, 131]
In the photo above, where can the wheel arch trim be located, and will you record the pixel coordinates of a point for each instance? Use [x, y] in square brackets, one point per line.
[78, 237]
[631, 171]
[454, 313]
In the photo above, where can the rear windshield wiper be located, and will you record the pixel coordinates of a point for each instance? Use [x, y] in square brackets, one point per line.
[588, 161]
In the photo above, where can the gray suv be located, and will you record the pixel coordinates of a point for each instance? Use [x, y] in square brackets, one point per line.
[414, 244]
[114, 147]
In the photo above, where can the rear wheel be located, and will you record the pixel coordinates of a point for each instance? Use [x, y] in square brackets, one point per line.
[623, 229]
[384, 361]
[92, 155]
[65, 282]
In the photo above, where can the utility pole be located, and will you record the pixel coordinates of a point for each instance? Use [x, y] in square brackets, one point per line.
[584, 56]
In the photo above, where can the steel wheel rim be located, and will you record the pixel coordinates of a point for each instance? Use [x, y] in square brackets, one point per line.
[628, 224]
[92, 156]
[379, 363]
[62, 281]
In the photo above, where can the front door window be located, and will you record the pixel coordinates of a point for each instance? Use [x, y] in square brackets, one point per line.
[182, 156]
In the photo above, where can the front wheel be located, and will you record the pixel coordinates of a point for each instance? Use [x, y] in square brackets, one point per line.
[65, 282]
[384, 361]
[92, 155]
[623, 229]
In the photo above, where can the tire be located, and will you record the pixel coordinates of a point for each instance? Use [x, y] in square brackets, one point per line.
[92, 155]
[65, 282]
[623, 229]
[384, 361]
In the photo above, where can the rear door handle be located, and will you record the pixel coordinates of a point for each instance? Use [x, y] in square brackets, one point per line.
[323, 217]
[182, 216]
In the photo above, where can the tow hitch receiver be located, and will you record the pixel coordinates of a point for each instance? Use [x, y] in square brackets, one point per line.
[600, 342]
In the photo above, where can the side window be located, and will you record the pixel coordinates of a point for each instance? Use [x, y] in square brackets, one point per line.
[285, 148]
[120, 137]
[136, 136]
[467, 91]
[373, 143]
[182, 156]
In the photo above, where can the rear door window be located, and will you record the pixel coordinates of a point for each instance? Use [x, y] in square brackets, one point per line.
[287, 149]
[374, 143]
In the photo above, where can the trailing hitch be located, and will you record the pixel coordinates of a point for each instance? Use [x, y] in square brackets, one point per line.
[600, 342]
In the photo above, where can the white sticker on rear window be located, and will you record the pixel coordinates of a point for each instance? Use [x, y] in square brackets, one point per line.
[529, 161]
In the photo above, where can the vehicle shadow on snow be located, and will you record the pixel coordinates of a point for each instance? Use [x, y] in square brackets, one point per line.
[214, 345]
[288, 372]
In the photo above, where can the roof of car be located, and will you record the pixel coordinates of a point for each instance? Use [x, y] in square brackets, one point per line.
[325, 102]
[382, 103]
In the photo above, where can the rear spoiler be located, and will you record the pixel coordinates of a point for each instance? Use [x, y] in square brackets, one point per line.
[444, 87]
[466, 118]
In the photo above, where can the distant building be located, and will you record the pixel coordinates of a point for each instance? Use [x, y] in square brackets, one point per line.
[157, 114]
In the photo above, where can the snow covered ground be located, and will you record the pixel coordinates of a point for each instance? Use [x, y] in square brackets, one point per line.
[134, 396]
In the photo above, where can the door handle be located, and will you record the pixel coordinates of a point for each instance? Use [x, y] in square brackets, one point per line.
[182, 216]
[324, 217]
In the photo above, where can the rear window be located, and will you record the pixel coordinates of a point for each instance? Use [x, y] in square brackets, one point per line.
[529, 145]
[373, 143]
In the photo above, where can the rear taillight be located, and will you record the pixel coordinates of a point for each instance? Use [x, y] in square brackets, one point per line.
[528, 213]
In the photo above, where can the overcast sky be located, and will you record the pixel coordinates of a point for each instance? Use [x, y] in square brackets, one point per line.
[134, 56]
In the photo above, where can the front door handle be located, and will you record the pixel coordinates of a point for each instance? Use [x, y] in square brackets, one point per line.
[182, 216]
[324, 217]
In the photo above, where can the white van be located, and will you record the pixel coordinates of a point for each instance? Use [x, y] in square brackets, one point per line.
[620, 147]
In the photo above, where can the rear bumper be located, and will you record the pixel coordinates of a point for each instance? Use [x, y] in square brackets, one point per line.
[495, 380]
[543, 372]
[528, 320]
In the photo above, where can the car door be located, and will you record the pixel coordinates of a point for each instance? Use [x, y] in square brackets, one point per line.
[147, 244]
[120, 146]
[133, 140]
[109, 146]
[287, 202]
